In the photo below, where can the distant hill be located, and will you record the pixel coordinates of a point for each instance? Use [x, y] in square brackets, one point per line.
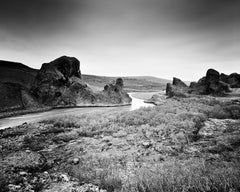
[131, 83]
[12, 72]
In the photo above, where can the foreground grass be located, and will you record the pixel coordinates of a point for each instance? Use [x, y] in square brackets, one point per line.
[175, 124]
[152, 149]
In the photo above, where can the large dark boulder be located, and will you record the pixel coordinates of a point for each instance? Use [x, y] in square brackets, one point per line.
[212, 75]
[214, 85]
[59, 83]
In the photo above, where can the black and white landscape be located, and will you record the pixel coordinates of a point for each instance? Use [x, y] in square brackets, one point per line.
[119, 96]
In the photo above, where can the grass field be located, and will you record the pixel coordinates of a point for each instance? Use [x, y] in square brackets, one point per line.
[182, 145]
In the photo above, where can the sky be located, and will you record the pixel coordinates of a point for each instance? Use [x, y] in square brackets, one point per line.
[162, 38]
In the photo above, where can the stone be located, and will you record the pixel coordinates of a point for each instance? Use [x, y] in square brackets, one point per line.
[23, 173]
[76, 160]
[64, 178]
[146, 144]
[178, 82]
[59, 83]
[212, 84]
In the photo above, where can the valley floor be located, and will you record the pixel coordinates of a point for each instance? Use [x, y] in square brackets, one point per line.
[187, 144]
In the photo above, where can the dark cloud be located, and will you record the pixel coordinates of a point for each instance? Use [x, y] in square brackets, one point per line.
[179, 33]
[30, 17]
[48, 16]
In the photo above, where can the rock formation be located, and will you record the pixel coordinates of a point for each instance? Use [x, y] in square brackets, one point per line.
[178, 82]
[233, 79]
[57, 84]
[178, 88]
[114, 92]
[210, 84]
[213, 83]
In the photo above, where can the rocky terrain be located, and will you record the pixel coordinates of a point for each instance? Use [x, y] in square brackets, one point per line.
[190, 141]
[57, 84]
[190, 144]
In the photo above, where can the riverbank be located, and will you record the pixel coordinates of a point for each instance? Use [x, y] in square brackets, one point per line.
[187, 144]
[45, 109]
[138, 95]
[54, 113]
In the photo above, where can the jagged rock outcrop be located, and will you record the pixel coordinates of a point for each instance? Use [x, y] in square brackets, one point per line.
[210, 84]
[114, 92]
[59, 83]
[213, 83]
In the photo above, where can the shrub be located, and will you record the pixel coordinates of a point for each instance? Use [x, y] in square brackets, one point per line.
[65, 137]
[34, 143]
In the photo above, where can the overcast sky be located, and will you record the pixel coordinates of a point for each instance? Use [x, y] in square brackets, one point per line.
[162, 38]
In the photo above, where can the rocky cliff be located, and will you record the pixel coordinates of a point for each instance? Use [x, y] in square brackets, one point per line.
[57, 84]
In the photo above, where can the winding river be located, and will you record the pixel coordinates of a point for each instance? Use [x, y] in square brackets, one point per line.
[34, 117]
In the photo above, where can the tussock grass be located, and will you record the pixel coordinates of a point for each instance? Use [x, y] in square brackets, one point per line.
[190, 175]
[194, 175]
[176, 122]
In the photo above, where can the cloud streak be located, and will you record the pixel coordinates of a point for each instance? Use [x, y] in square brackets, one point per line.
[187, 34]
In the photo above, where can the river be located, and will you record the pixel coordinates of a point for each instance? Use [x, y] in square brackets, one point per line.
[34, 117]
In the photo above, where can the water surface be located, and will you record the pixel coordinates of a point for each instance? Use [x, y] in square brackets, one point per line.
[34, 117]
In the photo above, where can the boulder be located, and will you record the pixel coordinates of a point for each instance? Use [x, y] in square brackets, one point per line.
[234, 80]
[177, 88]
[210, 84]
[156, 99]
[59, 83]
[178, 82]
[214, 85]
[212, 75]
